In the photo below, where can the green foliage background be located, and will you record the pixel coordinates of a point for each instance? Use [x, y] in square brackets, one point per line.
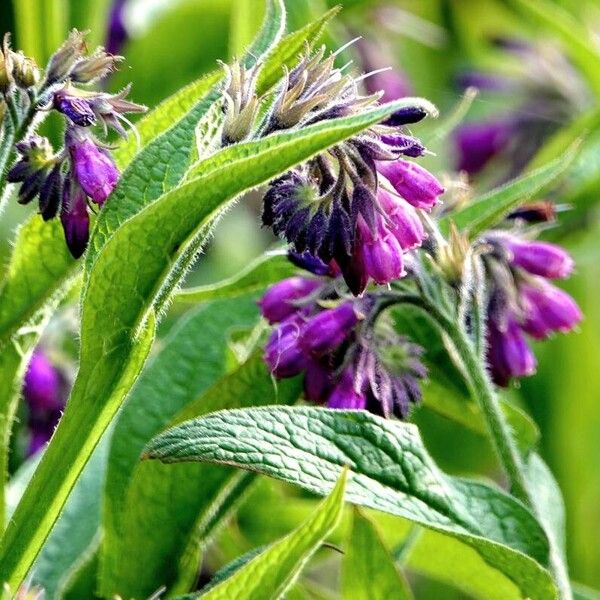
[174, 42]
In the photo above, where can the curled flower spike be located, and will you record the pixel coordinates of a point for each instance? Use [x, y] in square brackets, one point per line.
[522, 301]
[349, 358]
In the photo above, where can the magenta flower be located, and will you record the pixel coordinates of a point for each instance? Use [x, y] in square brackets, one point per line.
[92, 167]
[279, 302]
[508, 352]
[414, 183]
[478, 143]
[540, 258]
[547, 309]
[283, 353]
[404, 221]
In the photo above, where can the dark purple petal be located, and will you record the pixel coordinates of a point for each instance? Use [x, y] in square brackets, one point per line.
[478, 143]
[75, 218]
[406, 116]
[283, 353]
[327, 330]
[42, 384]
[345, 395]
[51, 194]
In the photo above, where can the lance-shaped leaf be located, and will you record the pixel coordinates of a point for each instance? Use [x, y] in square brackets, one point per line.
[390, 471]
[262, 272]
[274, 570]
[368, 569]
[486, 211]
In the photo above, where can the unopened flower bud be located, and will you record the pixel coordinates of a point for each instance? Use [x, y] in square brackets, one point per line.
[542, 211]
[327, 330]
[547, 309]
[345, 395]
[64, 59]
[539, 258]
[92, 167]
[283, 353]
[75, 218]
[25, 71]
[414, 183]
[452, 257]
[278, 303]
[6, 65]
[42, 383]
[94, 67]
[406, 116]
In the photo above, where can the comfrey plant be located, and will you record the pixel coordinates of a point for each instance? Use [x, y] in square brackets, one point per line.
[387, 290]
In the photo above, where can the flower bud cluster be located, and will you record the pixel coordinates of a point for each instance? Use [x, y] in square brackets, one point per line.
[348, 358]
[83, 170]
[523, 302]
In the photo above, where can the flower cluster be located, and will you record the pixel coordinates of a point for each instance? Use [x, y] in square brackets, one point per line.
[523, 301]
[351, 358]
[357, 204]
[83, 170]
[44, 391]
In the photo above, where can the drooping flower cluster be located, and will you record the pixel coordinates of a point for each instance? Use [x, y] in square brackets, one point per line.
[523, 302]
[44, 392]
[83, 170]
[349, 357]
[358, 203]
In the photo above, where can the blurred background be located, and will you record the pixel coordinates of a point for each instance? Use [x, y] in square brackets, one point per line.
[536, 66]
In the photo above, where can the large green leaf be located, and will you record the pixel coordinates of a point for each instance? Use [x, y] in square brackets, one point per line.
[75, 530]
[368, 569]
[390, 471]
[487, 210]
[264, 271]
[191, 360]
[270, 574]
[170, 514]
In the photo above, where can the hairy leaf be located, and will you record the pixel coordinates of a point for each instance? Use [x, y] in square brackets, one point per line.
[264, 271]
[390, 471]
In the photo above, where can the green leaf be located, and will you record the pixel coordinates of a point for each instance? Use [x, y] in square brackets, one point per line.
[489, 209]
[191, 359]
[75, 529]
[582, 592]
[274, 570]
[168, 513]
[81, 582]
[368, 569]
[264, 271]
[390, 471]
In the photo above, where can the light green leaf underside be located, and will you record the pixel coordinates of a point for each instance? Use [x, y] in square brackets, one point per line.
[264, 271]
[390, 471]
[368, 569]
[271, 572]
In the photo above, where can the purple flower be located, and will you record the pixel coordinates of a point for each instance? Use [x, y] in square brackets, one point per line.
[75, 218]
[328, 329]
[278, 303]
[404, 221]
[547, 309]
[317, 381]
[345, 395]
[42, 384]
[92, 167]
[414, 183]
[478, 143]
[283, 353]
[539, 258]
[76, 108]
[508, 353]
[379, 254]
